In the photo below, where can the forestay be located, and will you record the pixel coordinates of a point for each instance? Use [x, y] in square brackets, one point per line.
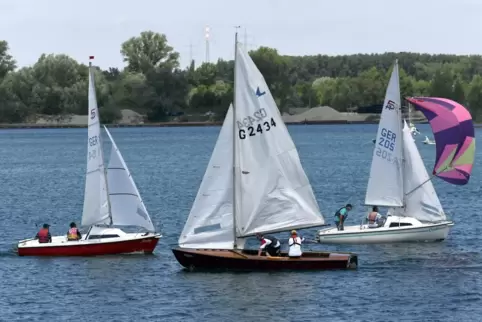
[96, 207]
[272, 190]
[385, 184]
[422, 201]
[210, 222]
[126, 203]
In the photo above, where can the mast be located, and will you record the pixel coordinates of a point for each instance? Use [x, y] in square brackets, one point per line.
[101, 152]
[400, 124]
[235, 246]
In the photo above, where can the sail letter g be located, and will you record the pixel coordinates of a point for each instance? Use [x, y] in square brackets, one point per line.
[242, 134]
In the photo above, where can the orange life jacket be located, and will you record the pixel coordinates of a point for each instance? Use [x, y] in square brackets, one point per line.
[372, 217]
[73, 234]
[43, 235]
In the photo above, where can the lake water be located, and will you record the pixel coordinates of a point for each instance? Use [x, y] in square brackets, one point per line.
[42, 180]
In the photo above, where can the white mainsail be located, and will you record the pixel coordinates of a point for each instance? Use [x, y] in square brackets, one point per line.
[96, 206]
[126, 203]
[385, 184]
[421, 203]
[210, 222]
[273, 192]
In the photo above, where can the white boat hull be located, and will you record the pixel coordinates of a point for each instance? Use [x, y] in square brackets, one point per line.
[389, 233]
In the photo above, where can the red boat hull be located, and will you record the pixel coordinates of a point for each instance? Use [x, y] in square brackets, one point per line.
[248, 260]
[140, 245]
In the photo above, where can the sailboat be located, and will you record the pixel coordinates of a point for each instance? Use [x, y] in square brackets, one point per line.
[254, 183]
[111, 199]
[428, 141]
[413, 129]
[398, 180]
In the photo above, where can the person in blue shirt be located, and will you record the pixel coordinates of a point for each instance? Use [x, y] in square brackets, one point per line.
[340, 216]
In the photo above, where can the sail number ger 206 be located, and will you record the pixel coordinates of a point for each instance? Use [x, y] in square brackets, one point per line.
[254, 125]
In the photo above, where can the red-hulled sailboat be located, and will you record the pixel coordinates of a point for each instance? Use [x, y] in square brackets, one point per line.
[254, 183]
[111, 201]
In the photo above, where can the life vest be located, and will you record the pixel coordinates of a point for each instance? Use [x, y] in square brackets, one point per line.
[274, 241]
[43, 235]
[295, 241]
[372, 217]
[73, 234]
[337, 213]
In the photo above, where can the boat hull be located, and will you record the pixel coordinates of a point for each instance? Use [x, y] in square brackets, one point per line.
[127, 244]
[382, 235]
[248, 260]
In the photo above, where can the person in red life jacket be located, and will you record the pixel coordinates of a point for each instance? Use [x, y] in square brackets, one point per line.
[43, 235]
[270, 244]
[73, 233]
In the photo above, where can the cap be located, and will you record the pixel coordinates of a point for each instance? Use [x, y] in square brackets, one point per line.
[349, 205]
[46, 226]
[293, 232]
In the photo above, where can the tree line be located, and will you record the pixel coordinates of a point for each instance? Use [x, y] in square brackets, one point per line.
[153, 84]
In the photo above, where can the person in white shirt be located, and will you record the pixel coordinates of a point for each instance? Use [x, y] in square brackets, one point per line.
[295, 245]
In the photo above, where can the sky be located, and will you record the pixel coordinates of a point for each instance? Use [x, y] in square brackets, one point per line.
[302, 27]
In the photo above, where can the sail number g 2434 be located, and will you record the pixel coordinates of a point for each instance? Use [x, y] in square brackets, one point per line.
[257, 116]
[257, 129]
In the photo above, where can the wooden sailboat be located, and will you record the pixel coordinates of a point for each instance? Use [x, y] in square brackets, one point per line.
[111, 199]
[254, 183]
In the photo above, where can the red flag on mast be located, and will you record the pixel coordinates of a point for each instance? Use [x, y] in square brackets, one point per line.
[91, 57]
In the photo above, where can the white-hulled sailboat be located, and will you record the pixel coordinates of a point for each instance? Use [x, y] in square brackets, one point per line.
[111, 199]
[398, 180]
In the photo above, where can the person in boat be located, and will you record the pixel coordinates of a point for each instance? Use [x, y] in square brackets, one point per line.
[73, 233]
[43, 234]
[340, 216]
[269, 244]
[374, 218]
[294, 244]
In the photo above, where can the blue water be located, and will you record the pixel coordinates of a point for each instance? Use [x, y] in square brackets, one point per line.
[42, 178]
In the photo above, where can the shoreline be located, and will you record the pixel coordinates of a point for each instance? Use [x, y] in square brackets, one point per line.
[171, 124]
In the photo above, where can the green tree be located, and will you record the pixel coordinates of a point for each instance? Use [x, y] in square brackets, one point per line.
[442, 82]
[16, 97]
[7, 63]
[206, 75]
[407, 86]
[214, 98]
[372, 83]
[474, 97]
[149, 50]
[458, 91]
[324, 88]
[169, 91]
